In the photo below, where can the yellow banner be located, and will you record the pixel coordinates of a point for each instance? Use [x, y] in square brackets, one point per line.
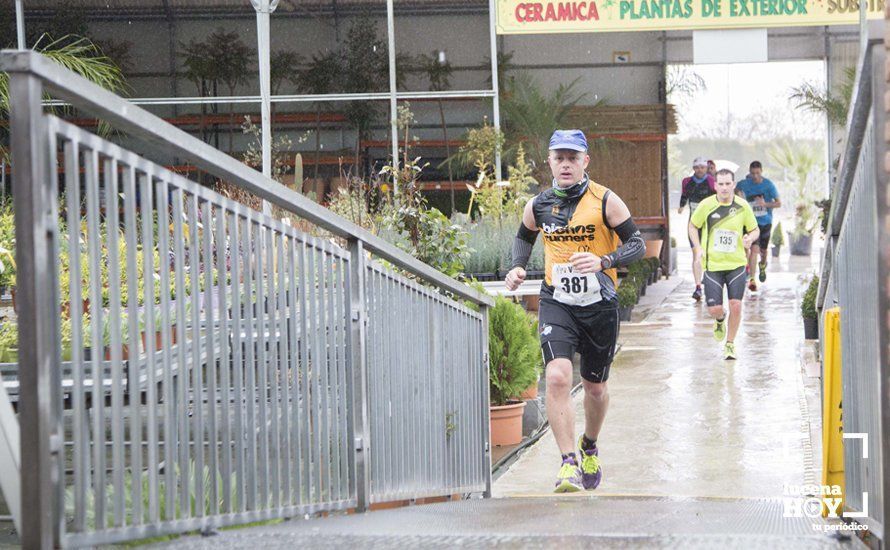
[551, 16]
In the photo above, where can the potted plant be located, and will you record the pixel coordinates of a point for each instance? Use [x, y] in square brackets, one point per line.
[627, 298]
[639, 272]
[673, 254]
[9, 342]
[778, 240]
[803, 165]
[514, 363]
[654, 264]
[531, 392]
[7, 247]
[808, 310]
[7, 269]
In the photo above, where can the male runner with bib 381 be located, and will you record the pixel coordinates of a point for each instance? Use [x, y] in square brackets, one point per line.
[582, 223]
[728, 228]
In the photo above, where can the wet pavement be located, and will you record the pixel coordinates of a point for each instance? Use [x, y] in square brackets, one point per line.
[685, 422]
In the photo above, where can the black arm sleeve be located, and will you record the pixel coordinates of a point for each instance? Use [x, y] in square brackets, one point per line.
[632, 248]
[522, 246]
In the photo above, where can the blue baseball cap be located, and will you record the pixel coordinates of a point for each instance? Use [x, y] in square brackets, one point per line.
[568, 139]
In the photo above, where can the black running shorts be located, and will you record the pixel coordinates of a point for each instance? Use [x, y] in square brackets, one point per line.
[592, 331]
[765, 232]
[733, 280]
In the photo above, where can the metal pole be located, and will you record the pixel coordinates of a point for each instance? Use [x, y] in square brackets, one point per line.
[264, 9]
[20, 24]
[393, 110]
[665, 184]
[486, 401]
[41, 441]
[879, 89]
[863, 28]
[360, 430]
[829, 130]
[496, 106]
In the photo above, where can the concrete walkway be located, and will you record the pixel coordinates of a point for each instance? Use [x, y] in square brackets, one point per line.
[684, 422]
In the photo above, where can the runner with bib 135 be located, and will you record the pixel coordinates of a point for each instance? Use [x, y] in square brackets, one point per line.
[582, 223]
[728, 228]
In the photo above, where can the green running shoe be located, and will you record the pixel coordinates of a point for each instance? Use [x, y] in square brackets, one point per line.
[729, 351]
[719, 330]
[591, 471]
[569, 478]
[762, 266]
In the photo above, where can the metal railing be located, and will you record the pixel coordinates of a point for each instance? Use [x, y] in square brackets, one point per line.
[851, 279]
[224, 367]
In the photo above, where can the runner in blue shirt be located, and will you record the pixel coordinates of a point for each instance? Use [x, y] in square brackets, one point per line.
[763, 196]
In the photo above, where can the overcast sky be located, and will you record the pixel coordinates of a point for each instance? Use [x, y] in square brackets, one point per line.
[756, 92]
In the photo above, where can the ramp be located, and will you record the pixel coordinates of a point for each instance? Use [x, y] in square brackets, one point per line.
[547, 522]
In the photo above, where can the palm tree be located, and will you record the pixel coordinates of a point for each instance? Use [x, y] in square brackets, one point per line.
[77, 54]
[803, 162]
[199, 69]
[505, 63]
[321, 76]
[530, 116]
[814, 98]
[222, 58]
[439, 74]
[284, 65]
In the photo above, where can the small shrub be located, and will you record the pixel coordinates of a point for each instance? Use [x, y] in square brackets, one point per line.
[778, 236]
[514, 351]
[808, 304]
[627, 293]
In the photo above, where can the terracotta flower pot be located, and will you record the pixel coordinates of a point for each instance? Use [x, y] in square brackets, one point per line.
[532, 302]
[389, 505]
[653, 248]
[530, 392]
[159, 340]
[125, 352]
[506, 424]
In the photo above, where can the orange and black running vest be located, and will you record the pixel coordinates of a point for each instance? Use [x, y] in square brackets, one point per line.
[576, 224]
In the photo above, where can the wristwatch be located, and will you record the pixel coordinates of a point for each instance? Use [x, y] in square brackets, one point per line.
[606, 261]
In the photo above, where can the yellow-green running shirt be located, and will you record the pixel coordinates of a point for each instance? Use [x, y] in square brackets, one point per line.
[723, 226]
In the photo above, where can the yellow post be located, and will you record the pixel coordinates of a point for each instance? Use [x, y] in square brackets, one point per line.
[832, 406]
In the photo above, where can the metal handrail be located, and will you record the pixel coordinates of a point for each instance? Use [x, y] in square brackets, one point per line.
[107, 106]
[302, 98]
[857, 120]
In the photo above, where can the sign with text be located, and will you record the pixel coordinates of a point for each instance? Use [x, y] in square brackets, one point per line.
[550, 16]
